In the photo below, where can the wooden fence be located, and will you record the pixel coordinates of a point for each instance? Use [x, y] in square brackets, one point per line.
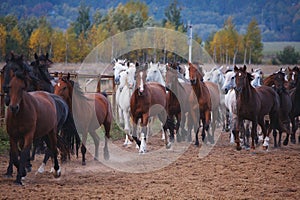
[103, 83]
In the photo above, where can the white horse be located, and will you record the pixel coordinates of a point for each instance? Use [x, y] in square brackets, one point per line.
[216, 76]
[123, 94]
[257, 77]
[156, 73]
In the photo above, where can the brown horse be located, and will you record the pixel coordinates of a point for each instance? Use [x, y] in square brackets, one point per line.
[278, 83]
[142, 101]
[86, 119]
[181, 102]
[29, 116]
[295, 113]
[204, 101]
[293, 76]
[253, 104]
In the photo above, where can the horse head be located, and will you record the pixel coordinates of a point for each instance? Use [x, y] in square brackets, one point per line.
[64, 88]
[17, 85]
[242, 78]
[119, 66]
[257, 77]
[229, 81]
[195, 74]
[140, 81]
[154, 74]
[293, 76]
[279, 80]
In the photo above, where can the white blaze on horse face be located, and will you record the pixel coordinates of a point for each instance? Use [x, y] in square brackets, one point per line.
[229, 81]
[141, 86]
[293, 76]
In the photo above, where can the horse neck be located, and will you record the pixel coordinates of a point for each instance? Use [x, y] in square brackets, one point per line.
[198, 87]
[247, 92]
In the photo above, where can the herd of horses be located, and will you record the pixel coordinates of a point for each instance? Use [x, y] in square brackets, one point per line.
[56, 110]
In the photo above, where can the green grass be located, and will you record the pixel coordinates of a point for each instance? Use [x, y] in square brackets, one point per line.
[271, 48]
[4, 141]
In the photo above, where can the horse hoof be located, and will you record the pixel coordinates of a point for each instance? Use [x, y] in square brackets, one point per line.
[239, 148]
[168, 146]
[7, 175]
[106, 156]
[285, 142]
[18, 183]
[57, 173]
[28, 169]
[196, 144]
[83, 163]
[265, 148]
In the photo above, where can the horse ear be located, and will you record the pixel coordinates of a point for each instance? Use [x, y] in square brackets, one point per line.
[47, 55]
[137, 64]
[252, 70]
[69, 75]
[36, 56]
[236, 68]
[128, 63]
[245, 68]
[60, 75]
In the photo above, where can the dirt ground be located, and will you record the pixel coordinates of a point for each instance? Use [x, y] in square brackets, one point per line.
[223, 174]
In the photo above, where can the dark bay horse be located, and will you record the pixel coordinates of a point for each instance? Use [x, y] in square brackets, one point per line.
[295, 113]
[293, 76]
[145, 96]
[30, 115]
[90, 111]
[278, 83]
[253, 104]
[208, 98]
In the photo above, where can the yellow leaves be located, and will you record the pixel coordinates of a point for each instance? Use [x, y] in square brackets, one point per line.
[3, 35]
[39, 40]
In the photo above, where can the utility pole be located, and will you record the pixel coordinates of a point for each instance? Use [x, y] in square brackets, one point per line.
[190, 27]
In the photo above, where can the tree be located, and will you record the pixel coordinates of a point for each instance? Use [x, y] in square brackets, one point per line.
[252, 43]
[3, 35]
[173, 16]
[82, 23]
[288, 55]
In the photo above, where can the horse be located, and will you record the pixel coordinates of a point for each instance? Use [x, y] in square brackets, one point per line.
[216, 76]
[124, 91]
[253, 104]
[295, 113]
[40, 69]
[257, 77]
[285, 105]
[293, 77]
[87, 119]
[208, 98]
[17, 64]
[30, 115]
[179, 105]
[143, 98]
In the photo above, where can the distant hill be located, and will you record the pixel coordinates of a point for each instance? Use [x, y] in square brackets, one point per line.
[279, 20]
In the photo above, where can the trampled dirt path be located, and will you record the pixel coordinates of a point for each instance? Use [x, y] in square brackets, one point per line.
[224, 174]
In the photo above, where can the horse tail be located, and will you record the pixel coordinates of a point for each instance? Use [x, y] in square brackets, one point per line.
[62, 145]
[70, 133]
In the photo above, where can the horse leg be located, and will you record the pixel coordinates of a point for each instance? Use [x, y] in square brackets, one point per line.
[52, 145]
[134, 133]
[275, 138]
[294, 129]
[9, 170]
[107, 125]
[227, 121]
[83, 148]
[127, 127]
[96, 140]
[236, 131]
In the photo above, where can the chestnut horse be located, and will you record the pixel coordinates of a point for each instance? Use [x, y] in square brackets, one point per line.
[253, 104]
[208, 97]
[278, 83]
[86, 119]
[142, 101]
[30, 115]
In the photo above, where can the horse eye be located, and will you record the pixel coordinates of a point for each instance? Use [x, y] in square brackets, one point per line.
[64, 88]
[232, 77]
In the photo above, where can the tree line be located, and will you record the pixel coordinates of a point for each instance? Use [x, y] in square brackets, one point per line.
[36, 35]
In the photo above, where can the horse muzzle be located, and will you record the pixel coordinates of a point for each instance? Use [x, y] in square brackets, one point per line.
[193, 81]
[7, 100]
[14, 108]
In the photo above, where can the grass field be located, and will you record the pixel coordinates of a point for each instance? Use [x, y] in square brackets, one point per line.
[271, 48]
